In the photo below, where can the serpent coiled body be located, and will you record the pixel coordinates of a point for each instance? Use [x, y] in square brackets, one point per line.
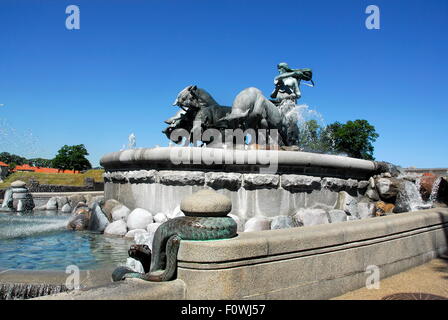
[167, 241]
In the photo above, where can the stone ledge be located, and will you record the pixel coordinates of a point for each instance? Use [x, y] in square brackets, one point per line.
[130, 289]
[242, 161]
[273, 242]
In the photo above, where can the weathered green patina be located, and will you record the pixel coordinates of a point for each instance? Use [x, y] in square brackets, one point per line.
[167, 240]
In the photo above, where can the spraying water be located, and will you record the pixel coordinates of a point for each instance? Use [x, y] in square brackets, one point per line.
[18, 142]
[435, 190]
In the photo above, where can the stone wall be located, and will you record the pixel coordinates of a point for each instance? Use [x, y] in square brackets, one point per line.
[318, 262]
[252, 194]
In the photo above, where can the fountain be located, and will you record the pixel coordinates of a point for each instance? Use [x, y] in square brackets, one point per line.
[220, 218]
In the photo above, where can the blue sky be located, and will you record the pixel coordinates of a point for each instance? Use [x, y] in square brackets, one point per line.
[121, 71]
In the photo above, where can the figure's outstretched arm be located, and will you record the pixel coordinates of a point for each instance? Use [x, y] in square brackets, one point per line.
[294, 74]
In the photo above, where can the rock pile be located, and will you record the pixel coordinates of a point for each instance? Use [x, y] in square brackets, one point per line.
[18, 198]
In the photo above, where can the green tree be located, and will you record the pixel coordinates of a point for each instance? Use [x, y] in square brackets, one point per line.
[8, 158]
[314, 138]
[72, 157]
[354, 138]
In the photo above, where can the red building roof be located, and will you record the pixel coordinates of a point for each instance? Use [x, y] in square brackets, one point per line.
[27, 167]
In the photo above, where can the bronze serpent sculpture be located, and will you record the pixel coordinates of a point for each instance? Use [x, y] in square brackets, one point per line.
[205, 219]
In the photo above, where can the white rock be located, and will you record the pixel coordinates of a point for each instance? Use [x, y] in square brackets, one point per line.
[152, 227]
[52, 203]
[346, 203]
[120, 212]
[66, 208]
[131, 233]
[139, 219]
[387, 187]
[366, 210]
[175, 213]
[336, 215]
[117, 228]
[257, 224]
[283, 222]
[61, 201]
[18, 184]
[310, 217]
[160, 218]
[239, 222]
[135, 265]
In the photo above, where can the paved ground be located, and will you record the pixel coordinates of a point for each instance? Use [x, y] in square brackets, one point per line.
[431, 278]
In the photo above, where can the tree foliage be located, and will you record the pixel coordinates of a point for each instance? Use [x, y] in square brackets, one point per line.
[72, 157]
[353, 138]
[8, 158]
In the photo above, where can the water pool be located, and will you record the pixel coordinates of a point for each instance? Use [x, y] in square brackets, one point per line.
[40, 241]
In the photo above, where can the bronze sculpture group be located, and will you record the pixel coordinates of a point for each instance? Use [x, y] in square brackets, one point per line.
[199, 112]
[250, 109]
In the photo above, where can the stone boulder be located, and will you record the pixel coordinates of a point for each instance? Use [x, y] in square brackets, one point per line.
[372, 194]
[336, 215]
[96, 199]
[283, 222]
[175, 213]
[66, 208]
[18, 184]
[310, 217]
[257, 181]
[78, 222]
[427, 181]
[120, 212]
[116, 228]
[61, 201]
[441, 194]
[257, 224]
[206, 203]
[160, 217]
[347, 203]
[139, 219]
[297, 183]
[75, 199]
[223, 180]
[98, 220]
[365, 208]
[131, 233]
[108, 207]
[81, 208]
[387, 187]
[52, 204]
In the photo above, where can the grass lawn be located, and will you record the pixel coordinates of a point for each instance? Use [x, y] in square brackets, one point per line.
[66, 179]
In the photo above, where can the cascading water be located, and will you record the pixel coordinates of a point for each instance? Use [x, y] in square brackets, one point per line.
[20, 291]
[410, 199]
[435, 190]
